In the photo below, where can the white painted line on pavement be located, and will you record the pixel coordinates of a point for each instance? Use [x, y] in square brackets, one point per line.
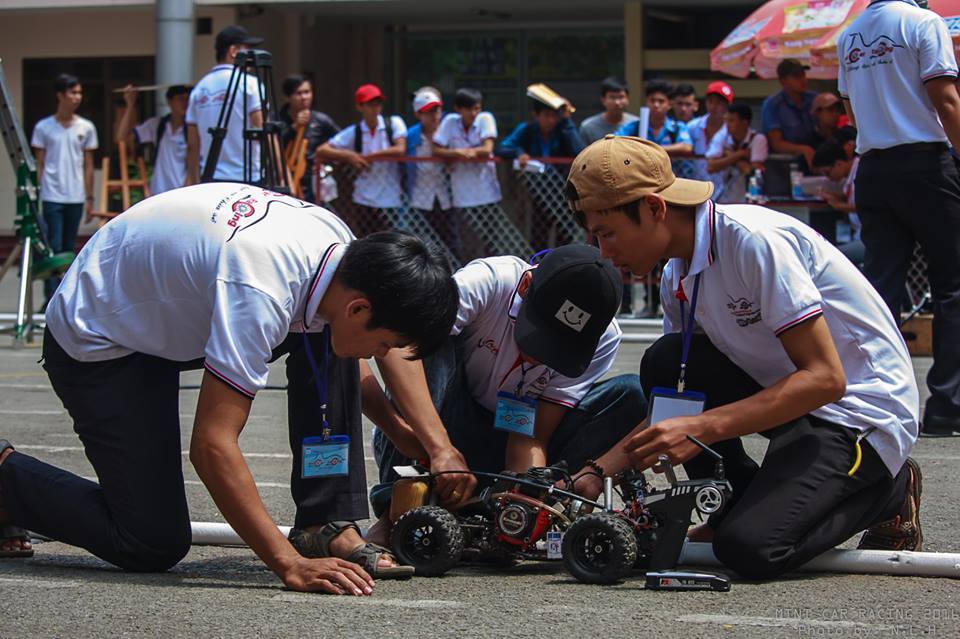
[194, 482]
[32, 412]
[43, 583]
[417, 604]
[783, 622]
[44, 448]
[28, 386]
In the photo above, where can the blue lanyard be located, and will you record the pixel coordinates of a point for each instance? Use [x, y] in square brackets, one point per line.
[686, 330]
[319, 380]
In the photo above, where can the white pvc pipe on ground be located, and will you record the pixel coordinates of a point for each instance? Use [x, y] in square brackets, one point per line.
[208, 533]
[864, 562]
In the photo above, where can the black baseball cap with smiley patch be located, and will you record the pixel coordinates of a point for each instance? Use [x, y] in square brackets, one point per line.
[572, 298]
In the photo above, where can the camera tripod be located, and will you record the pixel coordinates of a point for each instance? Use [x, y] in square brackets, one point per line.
[260, 143]
[37, 259]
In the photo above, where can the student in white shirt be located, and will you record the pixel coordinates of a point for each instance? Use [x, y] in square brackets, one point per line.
[377, 183]
[63, 144]
[167, 133]
[226, 277]
[469, 134]
[898, 80]
[735, 152]
[203, 113]
[786, 339]
[544, 336]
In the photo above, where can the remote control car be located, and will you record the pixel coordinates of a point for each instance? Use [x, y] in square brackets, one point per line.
[509, 520]
[526, 516]
[649, 531]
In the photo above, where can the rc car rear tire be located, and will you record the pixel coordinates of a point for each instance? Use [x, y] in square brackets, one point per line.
[428, 538]
[599, 548]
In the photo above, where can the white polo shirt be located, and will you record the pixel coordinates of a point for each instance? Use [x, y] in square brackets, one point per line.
[763, 272]
[474, 183]
[206, 99]
[170, 168]
[63, 148]
[733, 182]
[486, 319]
[379, 185]
[886, 55]
[219, 271]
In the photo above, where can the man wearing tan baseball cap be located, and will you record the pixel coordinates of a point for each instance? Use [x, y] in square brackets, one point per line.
[768, 329]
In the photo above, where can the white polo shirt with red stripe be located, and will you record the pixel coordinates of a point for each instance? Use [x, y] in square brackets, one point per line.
[486, 318]
[217, 271]
[886, 56]
[762, 273]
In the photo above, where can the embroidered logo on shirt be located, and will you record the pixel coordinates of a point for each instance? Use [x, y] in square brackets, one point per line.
[743, 312]
[573, 316]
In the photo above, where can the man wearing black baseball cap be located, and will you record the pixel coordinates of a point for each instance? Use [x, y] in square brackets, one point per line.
[517, 384]
[203, 112]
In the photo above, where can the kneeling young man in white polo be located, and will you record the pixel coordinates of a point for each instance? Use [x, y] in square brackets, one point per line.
[518, 384]
[785, 338]
[225, 277]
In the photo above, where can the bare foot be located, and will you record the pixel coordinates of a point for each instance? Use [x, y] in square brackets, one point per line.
[10, 544]
[379, 533]
[702, 532]
[348, 541]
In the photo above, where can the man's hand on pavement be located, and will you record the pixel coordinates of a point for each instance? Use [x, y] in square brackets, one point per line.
[330, 575]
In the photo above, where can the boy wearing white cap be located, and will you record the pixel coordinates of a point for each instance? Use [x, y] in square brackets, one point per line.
[428, 183]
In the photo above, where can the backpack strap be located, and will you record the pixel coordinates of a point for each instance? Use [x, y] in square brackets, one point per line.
[388, 123]
[162, 129]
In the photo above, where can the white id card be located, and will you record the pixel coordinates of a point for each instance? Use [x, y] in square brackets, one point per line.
[666, 403]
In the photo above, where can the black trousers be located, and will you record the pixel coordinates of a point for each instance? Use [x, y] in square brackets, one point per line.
[126, 412]
[799, 502]
[906, 195]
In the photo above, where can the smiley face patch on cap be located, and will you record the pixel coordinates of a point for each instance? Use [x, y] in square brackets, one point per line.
[573, 316]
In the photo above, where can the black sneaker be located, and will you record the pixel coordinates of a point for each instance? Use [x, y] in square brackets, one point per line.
[903, 532]
[937, 426]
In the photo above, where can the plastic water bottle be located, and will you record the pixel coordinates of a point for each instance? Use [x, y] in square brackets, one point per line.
[755, 187]
[796, 187]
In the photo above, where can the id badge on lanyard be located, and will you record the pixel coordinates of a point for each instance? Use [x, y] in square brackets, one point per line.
[326, 455]
[516, 413]
[666, 403]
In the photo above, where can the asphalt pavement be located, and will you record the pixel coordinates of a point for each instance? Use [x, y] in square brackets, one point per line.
[227, 592]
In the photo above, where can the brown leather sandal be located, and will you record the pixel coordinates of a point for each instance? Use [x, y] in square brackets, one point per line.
[367, 555]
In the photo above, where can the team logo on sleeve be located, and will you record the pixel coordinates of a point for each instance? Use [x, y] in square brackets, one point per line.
[743, 312]
[573, 316]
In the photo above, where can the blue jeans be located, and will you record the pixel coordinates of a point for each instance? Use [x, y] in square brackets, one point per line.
[60, 222]
[610, 409]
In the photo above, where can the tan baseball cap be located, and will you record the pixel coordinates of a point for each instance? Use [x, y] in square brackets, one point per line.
[617, 170]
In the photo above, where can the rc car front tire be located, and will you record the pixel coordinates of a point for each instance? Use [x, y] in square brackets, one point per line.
[599, 548]
[429, 539]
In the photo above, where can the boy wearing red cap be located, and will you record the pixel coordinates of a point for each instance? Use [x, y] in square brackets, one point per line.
[377, 185]
[704, 128]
